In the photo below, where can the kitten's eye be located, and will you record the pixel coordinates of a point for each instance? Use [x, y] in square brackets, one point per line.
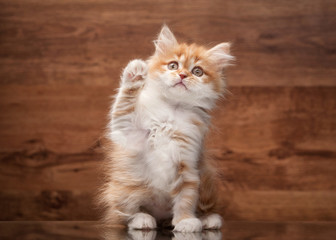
[173, 66]
[197, 71]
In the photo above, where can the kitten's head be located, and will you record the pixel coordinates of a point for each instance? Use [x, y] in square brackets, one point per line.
[187, 74]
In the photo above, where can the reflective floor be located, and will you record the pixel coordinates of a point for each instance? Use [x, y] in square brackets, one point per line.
[232, 230]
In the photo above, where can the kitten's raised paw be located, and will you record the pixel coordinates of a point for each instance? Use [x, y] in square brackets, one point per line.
[135, 72]
[142, 221]
[189, 225]
[212, 221]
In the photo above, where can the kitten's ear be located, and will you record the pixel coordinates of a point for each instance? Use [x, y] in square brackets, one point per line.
[166, 41]
[221, 54]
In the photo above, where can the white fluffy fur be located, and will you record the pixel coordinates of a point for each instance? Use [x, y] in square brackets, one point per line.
[161, 109]
[154, 117]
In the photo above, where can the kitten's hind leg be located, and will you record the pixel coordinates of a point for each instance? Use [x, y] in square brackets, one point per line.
[208, 196]
[142, 221]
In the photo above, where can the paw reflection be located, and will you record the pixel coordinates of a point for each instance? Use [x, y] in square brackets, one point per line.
[187, 236]
[162, 234]
[154, 235]
[212, 235]
[141, 235]
[205, 235]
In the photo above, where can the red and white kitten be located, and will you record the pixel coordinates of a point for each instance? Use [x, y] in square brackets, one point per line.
[156, 164]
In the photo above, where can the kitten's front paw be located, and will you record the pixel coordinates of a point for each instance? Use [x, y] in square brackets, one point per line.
[213, 221]
[142, 221]
[135, 72]
[189, 225]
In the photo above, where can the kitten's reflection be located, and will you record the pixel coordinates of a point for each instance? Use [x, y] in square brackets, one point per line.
[112, 234]
[141, 235]
[206, 235]
[153, 235]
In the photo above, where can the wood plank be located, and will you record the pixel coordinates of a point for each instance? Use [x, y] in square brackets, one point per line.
[71, 118]
[285, 205]
[62, 119]
[85, 42]
[42, 170]
[45, 170]
[243, 171]
[47, 205]
[274, 148]
[58, 230]
[276, 118]
[234, 205]
[263, 139]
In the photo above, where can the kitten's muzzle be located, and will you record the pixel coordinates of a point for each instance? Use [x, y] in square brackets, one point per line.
[181, 83]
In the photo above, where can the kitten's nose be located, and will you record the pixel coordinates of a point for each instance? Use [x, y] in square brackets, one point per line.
[182, 76]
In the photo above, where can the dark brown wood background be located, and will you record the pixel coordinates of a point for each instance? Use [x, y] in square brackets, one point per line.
[273, 137]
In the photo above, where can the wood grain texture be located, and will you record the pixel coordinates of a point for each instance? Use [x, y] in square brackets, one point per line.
[233, 205]
[64, 118]
[293, 205]
[47, 205]
[287, 174]
[273, 139]
[88, 42]
[58, 230]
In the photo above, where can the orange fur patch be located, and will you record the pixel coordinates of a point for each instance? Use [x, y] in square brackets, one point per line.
[178, 136]
[184, 185]
[196, 122]
[131, 91]
[207, 188]
[181, 168]
[157, 65]
[123, 112]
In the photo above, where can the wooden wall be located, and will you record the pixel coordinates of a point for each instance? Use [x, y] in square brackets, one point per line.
[273, 137]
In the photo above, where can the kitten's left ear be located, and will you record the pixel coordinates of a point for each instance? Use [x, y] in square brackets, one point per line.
[221, 54]
[166, 41]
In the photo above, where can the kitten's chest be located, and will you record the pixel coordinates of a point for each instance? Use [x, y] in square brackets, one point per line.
[165, 125]
[163, 153]
[161, 119]
[171, 138]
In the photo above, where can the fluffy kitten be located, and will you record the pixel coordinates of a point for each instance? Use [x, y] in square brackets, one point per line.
[156, 165]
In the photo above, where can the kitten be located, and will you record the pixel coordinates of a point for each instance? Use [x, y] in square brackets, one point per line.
[157, 169]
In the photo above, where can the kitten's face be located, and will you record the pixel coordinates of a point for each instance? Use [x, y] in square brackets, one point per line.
[187, 73]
